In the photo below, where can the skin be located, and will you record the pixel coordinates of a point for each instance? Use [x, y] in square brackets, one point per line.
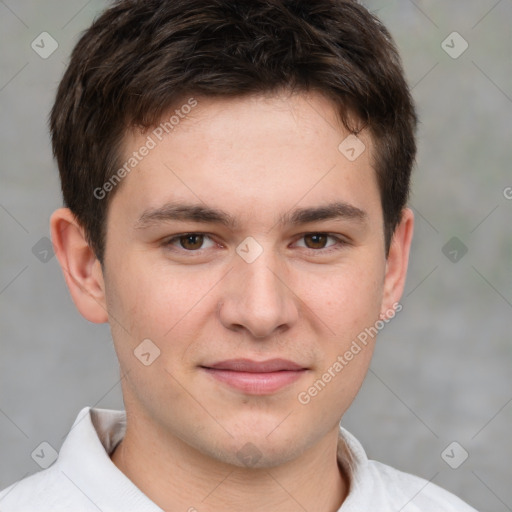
[256, 158]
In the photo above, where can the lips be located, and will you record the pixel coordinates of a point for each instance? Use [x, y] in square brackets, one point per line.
[256, 377]
[249, 366]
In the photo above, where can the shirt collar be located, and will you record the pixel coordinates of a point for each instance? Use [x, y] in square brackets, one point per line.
[85, 460]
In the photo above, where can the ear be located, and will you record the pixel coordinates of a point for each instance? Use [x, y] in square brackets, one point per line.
[82, 270]
[397, 262]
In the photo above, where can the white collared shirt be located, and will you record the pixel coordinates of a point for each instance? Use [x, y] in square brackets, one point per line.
[84, 479]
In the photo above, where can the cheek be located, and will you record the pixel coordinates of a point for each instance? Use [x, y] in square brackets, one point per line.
[145, 300]
[346, 299]
[142, 308]
[162, 303]
[348, 310]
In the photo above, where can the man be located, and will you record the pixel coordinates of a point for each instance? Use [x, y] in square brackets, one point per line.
[235, 177]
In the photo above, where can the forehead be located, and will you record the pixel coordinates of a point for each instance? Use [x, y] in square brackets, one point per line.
[254, 153]
[221, 122]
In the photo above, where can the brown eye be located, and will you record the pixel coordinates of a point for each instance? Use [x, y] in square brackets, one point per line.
[319, 244]
[317, 240]
[191, 242]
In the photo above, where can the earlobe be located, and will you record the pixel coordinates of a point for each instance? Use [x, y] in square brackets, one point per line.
[82, 270]
[397, 262]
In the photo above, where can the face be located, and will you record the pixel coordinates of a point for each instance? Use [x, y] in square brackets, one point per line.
[249, 251]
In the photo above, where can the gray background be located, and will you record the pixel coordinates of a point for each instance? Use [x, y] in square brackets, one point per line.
[442, 369]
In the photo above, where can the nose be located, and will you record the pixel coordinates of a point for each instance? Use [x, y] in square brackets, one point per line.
[256, 297]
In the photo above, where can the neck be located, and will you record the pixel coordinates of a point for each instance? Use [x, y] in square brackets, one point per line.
[177, 477]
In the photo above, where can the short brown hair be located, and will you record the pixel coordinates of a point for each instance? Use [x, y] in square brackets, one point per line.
[142, 56]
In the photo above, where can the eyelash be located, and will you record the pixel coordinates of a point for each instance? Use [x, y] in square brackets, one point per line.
[340, 243]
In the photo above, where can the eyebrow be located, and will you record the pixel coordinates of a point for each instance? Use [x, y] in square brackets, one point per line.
[177, 211]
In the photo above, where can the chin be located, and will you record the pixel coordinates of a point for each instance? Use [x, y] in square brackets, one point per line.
[258, 446]
[255, 454]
